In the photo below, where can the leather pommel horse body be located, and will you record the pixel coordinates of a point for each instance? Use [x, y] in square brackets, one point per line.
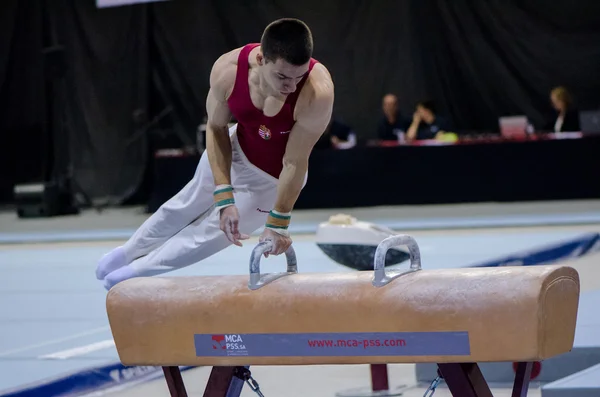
[453, 317]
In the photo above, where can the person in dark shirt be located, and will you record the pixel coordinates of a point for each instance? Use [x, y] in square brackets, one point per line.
[566, 117]
[337, 135]
[392, 125]
[426, 123]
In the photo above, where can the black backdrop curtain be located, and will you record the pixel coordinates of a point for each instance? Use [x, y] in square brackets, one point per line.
[478, 59]
[485, 59]
[22, 114]
[106, 51]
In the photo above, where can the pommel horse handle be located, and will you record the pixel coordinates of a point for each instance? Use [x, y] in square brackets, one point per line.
[380, 276]
[256, 279]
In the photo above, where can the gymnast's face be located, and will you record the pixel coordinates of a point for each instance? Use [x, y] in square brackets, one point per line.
[281, 77]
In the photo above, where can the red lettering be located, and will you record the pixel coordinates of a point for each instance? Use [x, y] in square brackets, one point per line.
[356, 343]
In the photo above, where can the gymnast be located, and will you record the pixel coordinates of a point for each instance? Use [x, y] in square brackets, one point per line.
[251, 174]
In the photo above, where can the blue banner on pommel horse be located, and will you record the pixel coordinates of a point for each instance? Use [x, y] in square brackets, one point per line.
[334, 344]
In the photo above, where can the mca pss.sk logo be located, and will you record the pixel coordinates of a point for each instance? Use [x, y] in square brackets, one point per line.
[233, 345]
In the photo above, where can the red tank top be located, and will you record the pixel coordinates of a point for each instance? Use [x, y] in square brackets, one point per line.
[263, 139]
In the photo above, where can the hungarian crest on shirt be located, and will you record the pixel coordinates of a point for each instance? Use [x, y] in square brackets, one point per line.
[264, 132]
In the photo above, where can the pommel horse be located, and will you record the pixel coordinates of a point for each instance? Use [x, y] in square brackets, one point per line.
[455, 318]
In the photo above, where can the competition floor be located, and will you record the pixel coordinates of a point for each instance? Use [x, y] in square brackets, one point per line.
[53, 319]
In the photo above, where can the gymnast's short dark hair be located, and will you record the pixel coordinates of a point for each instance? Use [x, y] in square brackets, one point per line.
[289, 39]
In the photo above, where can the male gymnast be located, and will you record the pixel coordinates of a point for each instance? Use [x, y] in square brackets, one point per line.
[251, 174]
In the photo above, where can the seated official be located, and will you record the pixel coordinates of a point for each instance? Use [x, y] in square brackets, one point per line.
[392, 126]
[426, 124]
[566, 117]
[337, 135]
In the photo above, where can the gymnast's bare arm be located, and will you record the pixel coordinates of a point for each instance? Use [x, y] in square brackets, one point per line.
[312, 117]
[218, 145]
[313, 112]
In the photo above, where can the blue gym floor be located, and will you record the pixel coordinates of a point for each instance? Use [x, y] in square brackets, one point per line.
[52, 312]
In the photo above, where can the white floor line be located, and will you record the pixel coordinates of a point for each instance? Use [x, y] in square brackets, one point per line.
[78, 351]
[54, 341]
[125, 386]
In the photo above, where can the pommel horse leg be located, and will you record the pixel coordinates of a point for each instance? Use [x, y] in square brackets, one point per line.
[174, 381]
[225, 382]
[222, 382]
[455, 318]
[467, 380]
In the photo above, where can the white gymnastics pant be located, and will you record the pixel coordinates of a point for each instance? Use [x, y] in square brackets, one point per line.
[185, 229]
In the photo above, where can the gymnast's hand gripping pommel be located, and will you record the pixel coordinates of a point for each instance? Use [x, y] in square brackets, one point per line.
[256, 279]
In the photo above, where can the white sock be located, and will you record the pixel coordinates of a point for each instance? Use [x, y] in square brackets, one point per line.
[110, 262]
[121, 274]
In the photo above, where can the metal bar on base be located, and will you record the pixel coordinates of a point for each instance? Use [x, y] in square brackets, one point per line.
[223, 383]
[465, 380]
[174, 381]
[522, 377]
